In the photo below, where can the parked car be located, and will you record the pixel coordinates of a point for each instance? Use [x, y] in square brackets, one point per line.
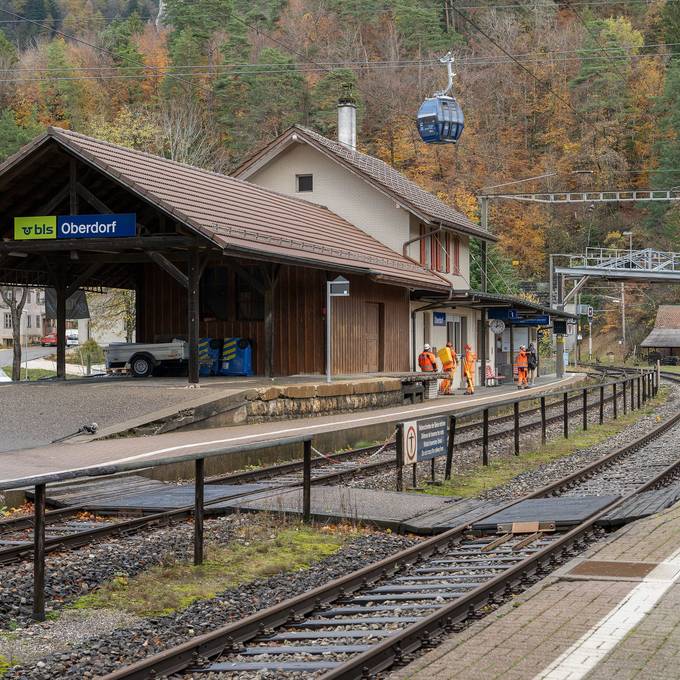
[49, 340]
[670, 361]
[72, 337]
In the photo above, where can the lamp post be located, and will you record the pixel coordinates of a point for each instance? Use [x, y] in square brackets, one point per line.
[338, 287]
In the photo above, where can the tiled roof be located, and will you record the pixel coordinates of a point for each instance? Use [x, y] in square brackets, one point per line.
[386, 178]
[245, 218]
[662, 337]
[668, 316]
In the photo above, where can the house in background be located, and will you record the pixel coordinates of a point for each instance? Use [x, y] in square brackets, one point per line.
[385, 204]
[664, 340]
[32, 319]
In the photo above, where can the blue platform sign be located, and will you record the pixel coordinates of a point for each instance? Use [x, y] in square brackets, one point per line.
[502, 313]
[543, 320]
[439, 318]
[97, 226]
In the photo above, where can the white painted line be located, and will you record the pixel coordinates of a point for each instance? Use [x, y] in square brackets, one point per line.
[288, 430]
[582, 657]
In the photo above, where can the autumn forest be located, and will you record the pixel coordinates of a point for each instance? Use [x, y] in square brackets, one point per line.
[584, 94]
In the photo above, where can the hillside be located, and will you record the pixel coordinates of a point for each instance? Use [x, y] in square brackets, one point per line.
[586, 93]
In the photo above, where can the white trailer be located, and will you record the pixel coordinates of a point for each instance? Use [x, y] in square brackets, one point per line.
[140, 359]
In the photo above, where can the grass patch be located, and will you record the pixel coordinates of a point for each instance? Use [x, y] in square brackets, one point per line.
[502, 470]
[4, 665]
[33, 373]
[258, 551]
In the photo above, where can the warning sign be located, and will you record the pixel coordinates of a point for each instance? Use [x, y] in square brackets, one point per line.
[425, 439]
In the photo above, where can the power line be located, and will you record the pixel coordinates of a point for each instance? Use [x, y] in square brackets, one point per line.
[84, 42]
[596, 38]
[524, 68]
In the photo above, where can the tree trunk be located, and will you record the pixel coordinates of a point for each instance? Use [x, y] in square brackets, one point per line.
[16, 308]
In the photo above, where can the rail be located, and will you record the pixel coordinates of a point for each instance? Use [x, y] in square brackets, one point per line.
[645, 384]
[421, 633]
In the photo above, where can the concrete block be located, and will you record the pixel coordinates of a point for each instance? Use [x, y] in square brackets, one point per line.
[391, 384]
[334, 389]
[367, 387]
[269, 393]
[299, 391]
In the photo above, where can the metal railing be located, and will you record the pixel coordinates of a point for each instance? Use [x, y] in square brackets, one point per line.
[631, 391]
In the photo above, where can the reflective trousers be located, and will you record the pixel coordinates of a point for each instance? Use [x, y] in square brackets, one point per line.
[447, 384]
[522, 374]
[469, 374]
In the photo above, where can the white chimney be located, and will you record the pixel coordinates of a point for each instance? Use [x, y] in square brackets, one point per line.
[347, 122]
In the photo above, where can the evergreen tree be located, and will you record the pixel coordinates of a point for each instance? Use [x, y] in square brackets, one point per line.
[12, 135]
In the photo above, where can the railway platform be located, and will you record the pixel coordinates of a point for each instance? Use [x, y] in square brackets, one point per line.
[70, 456]
[613, 612]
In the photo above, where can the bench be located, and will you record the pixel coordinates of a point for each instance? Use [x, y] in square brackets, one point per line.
[492, 379]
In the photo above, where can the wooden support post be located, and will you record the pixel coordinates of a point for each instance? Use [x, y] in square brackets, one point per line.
[194, 278]
[60, 290]
[433, 470]
[415, 476]
[199, 491]
[614, 401]
[565, 414]
[644, 388]
[400, 457]
[632, 394]
[485, 437]
[307, 481]
[449, 450]
[601, 404]
[543, 423]
[639, 401]
[39, 553]
[585, 408]
[515, 408]
[625, 398]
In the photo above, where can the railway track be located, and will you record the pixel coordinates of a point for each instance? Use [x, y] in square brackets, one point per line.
[65, 531]
[363, 623]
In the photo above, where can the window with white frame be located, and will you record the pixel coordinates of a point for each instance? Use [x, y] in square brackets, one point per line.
[8, 320]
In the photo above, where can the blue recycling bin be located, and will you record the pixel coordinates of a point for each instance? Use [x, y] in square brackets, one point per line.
[209, 355]
[237, 357]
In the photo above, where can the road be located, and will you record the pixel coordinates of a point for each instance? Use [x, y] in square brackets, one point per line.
[33, 353]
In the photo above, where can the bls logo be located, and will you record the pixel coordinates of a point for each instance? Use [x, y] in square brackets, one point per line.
[43, 227]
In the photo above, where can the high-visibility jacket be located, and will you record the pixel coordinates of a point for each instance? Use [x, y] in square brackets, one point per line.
[469, 362]
[427, 361]
[522, 359]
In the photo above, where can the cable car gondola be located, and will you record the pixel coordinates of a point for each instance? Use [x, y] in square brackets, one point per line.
[440, 118]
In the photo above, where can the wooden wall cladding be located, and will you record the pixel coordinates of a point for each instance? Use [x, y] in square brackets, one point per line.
[370, 327]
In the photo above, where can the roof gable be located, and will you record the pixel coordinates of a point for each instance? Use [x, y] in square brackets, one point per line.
[382, 176]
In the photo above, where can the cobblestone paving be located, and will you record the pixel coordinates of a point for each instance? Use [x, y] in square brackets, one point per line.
[523, 637]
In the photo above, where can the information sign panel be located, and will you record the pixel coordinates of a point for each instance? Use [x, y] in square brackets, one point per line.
[425, 439]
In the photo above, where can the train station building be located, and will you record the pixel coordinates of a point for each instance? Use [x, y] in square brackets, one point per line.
[249, 256]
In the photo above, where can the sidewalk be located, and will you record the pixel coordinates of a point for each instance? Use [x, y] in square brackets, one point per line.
[612, 613]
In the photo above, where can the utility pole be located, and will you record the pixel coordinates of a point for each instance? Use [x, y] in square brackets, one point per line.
[623, 318]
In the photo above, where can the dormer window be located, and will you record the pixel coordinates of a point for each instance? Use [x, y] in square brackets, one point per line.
[304, 183]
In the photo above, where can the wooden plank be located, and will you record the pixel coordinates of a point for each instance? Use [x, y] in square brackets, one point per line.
[170, 268]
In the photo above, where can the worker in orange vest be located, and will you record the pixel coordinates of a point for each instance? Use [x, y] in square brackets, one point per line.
[522, 368]
[469, 369]
[449, 367]
[427, 360]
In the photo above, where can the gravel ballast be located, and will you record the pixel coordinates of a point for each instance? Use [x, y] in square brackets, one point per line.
[104, 653]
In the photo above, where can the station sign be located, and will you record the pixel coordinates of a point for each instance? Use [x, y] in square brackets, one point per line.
[75, 226]
[425, 439]
[502, 313]
[439, 318]
[542, 320]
